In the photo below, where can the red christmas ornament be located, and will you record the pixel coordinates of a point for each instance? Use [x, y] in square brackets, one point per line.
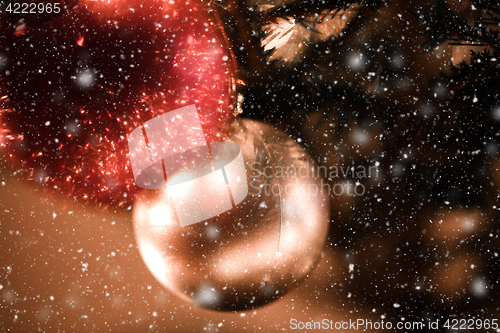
[74, 84]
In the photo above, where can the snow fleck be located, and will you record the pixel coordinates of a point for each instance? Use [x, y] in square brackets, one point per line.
[85, 79]
[496, 113]
[479, 287]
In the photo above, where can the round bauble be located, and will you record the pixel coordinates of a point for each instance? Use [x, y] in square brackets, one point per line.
[256, 251]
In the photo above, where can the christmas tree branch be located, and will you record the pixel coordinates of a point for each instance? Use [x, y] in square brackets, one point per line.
[444, 24]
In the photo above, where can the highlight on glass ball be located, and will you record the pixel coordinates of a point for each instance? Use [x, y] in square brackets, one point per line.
[258, 249]
[170, 151]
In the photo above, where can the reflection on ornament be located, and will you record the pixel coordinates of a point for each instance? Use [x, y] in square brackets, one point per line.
[170, 151]
[253, 253]
[74, 87]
